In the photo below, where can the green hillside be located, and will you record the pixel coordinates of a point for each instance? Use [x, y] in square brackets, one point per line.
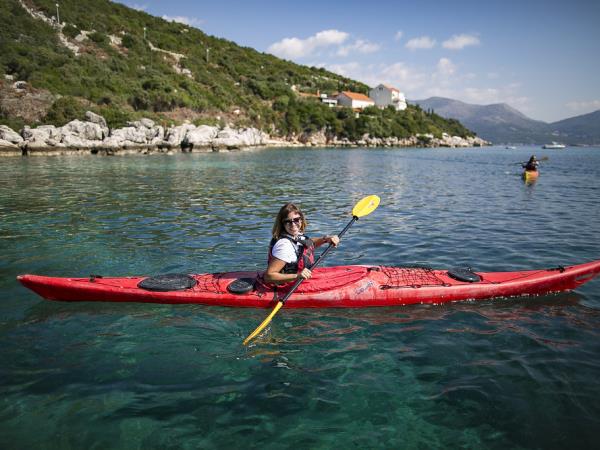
[131, 65]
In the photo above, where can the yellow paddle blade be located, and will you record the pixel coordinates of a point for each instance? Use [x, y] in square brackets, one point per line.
[264, 324]
[366, 206]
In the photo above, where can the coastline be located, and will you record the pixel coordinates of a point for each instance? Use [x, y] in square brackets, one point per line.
[93, 137]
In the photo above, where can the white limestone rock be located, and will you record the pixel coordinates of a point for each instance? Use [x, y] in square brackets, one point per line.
[315, 138]
[142, 123]
[83, 131]
[127, 135]
[8, 147]
[174, 136]
[246, 137]
[7, 134]
[96, 118]
[115, 143]
[43, 144]
[152, 133]
[202, 136]
[42, 135]
[76, 141]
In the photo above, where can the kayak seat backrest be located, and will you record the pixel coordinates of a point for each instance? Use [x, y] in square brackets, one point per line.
[168, 282]
[241, 285]
[464, 274]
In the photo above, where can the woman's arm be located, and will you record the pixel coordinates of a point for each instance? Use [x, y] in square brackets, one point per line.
[274, 275]
[334, 240]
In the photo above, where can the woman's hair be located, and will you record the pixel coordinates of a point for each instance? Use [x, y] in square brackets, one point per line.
[278, 227]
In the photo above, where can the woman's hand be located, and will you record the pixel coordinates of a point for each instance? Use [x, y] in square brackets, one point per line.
[305, 274]
[333, 240]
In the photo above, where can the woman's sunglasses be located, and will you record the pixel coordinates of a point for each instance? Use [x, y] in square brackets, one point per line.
[295, 221]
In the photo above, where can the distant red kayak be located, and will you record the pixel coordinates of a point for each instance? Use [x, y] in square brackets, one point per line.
[330, 287]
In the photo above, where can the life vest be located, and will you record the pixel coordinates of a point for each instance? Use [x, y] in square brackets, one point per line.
[531, 165]
[305, 253]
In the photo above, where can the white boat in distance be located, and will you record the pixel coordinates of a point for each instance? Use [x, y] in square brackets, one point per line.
[554, 145]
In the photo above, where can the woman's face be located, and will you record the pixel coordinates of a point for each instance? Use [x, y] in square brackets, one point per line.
[293, 223]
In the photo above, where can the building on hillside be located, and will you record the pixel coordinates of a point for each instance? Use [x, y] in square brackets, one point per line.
[329, 101]
[308, 94]
[354, 100]
[384, 95]
[323, 98]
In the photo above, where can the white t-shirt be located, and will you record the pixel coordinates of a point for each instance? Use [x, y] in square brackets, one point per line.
[284, 250]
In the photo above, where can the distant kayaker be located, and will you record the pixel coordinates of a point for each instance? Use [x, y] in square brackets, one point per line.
[290, 251]
[532, 164]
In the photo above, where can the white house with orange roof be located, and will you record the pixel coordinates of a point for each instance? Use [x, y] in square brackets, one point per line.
[354, 100]
[385, 95]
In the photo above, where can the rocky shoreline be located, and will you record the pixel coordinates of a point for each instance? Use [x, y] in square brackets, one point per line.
[92, 136]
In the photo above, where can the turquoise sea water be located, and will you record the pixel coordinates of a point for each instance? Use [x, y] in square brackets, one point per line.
[507, 373]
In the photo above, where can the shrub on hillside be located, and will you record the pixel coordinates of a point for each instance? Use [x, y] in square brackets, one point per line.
[15, 123]
[64, 110]
[70, 31]
[131, 42]
[98, 38]
[114, 116]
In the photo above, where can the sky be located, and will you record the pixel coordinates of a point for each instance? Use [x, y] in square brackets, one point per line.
[540, 57]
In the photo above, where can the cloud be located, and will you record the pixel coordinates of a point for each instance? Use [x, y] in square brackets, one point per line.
[139, 7]
[359, 46]
[399, 74]
[398, 35]
[423, 42]
[460, 41]
[403, 76]
[584, 106]
[444, 77]
[446, 67]
[192, 21]
[296, 48]
[350, 69]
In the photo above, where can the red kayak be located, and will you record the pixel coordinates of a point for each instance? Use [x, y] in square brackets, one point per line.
[330, 287]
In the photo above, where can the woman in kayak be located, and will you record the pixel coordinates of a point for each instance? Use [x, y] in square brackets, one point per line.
[290, 251]
[532, 164]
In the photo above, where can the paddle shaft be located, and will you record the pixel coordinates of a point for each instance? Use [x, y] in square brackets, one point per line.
[319, 259]
[543, 158]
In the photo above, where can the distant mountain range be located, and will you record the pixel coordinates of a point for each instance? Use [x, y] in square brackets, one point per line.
[502, 124]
